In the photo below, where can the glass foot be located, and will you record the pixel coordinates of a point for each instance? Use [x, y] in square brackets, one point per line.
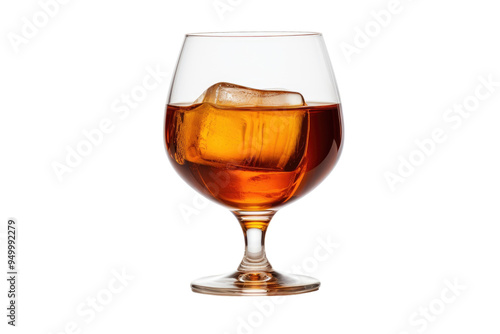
[255, 284]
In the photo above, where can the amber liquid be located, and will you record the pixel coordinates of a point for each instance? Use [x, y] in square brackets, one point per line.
[254, 158]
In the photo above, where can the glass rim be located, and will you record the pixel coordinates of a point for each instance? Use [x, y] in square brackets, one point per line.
[254, 34]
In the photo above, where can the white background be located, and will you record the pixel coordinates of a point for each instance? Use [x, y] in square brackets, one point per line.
[120, 208]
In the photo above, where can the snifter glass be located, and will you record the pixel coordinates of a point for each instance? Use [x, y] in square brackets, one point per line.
[253, 122]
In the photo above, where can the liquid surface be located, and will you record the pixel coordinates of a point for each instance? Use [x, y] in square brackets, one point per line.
[253, 158]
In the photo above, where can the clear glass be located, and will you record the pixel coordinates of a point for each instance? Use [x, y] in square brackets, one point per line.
[253, 122]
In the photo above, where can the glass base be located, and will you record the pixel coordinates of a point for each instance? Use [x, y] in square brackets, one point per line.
[255, 284]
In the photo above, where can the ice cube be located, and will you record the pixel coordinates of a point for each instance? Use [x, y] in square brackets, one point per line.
[230, 95]
[259, 138]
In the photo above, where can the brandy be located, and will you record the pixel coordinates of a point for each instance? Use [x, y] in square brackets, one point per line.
[253, 158]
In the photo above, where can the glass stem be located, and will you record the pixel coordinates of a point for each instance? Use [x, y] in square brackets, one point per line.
[254, 225]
